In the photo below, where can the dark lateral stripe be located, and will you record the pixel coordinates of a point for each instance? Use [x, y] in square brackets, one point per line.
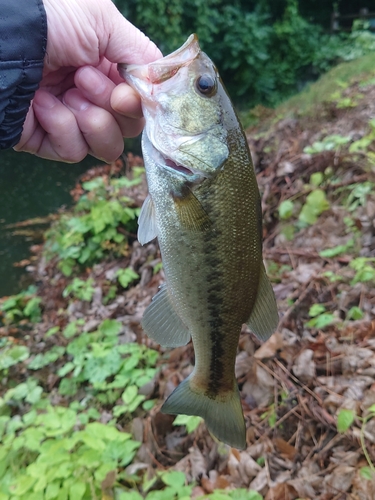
[215, 301]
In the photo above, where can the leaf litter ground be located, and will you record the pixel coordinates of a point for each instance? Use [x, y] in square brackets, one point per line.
[308, 393]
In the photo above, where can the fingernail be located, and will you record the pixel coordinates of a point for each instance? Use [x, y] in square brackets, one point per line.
[45, 99]
[73, 99]
[92, 80]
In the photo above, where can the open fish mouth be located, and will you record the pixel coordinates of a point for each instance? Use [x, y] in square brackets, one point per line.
[193, 176]
[178, 168]
[167, 162]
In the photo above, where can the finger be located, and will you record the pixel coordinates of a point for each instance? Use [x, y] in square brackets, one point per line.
[51, 131]
[97, 88]
[125, 101]
[99, 128]
[126, 43]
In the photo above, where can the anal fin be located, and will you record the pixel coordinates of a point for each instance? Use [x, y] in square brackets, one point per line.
[161, 322]
[264, 317]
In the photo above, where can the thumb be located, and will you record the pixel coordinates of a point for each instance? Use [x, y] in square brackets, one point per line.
[126, 43]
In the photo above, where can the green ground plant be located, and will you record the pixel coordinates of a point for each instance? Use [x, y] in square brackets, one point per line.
[345, 420]
[80, 289]
[25, 306]
[98, 227]
[57, 452]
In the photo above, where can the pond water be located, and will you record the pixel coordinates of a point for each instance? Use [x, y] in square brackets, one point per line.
[29, 187]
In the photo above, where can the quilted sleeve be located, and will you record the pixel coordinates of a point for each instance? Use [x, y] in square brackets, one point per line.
[23, 39]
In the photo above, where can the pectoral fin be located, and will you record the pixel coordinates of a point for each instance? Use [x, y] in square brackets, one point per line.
[147, 229]
[161, 322]
[264, 317]
[190, 211]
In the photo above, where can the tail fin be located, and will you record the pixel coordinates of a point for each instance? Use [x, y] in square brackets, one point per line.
[223, 414]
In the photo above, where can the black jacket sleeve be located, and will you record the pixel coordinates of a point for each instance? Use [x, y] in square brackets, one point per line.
[23, 38]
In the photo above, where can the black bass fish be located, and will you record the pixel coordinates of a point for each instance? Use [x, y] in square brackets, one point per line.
[204, 208]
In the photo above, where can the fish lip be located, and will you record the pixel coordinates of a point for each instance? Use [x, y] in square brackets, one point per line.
[142, 75]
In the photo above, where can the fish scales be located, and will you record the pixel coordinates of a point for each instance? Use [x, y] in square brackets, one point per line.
[204, 207]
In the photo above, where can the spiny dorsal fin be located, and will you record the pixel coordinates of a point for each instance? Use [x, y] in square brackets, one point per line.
[264, 317]
[161, 322]
[147, 229]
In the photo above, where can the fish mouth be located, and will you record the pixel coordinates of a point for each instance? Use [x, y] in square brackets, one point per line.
[141, 76]
[166, 162]
[188, 174]
[178, 168]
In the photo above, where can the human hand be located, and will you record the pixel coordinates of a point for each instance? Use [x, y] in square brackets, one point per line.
[82, 105]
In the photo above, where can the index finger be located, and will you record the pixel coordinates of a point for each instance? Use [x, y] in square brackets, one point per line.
[125, 101]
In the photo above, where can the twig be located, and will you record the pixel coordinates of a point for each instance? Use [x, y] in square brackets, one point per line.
[296, 303]
[299, 382]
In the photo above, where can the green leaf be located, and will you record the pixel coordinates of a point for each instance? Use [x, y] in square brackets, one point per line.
[13, 355]
[316, 309]
[77, 490]
[51, 331]
[316, 179]
[33, 437]
[68, 387]
[70, 330]
[321, 321]
[190, 421]
[316, 203]
[66, 266]
[110, 327]
[34, 395]
[367, 473]
[355, 313]
[65, 369]
[24, 484]
[95, 183]
[254, 495]
[339, 249]
[47, 358]
[218, 495]
[107, 432]
[97, 369]
[129, 394]
[126, 276]
[286, 209]
[149, 404]
[52, 490]
[93, 442]
[41, 483]
[128, 495]
[32, 309]
[345, 418]
[176, 479]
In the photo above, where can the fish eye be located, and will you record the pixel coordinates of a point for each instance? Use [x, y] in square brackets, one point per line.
[206, 85]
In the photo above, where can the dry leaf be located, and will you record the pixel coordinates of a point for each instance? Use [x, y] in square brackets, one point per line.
[270, 348]
[285, 449]
[304, 366]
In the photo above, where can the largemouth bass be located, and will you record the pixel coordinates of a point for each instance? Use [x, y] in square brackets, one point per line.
[204, 208]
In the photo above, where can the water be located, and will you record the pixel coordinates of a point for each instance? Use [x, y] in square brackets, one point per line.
[29, 187]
